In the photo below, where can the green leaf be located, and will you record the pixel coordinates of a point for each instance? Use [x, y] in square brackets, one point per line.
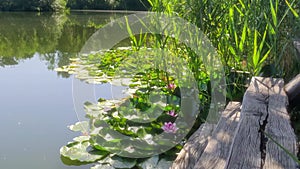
[82, 126]
[150, 2]
[153, 163]
[243, 38]
[274, 12]
[81, 138]
[164, 164]
[150, 163]
[82, 152]
[291, 8]
[121, 162]
[265, 56]
[255, 56]
[102, 166]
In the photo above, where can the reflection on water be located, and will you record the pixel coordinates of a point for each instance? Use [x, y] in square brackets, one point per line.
[35, 105]
[54, 37]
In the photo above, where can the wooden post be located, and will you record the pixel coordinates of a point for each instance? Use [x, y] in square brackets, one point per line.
[293, 91]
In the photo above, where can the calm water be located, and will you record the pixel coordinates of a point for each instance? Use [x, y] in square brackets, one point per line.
[35, 101]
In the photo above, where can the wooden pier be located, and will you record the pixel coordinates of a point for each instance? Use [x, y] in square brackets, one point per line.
[247, 135]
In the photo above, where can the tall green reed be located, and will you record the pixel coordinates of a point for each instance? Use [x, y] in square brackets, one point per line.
[252, 37]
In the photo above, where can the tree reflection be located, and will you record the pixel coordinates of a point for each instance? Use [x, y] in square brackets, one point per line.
[54, 37]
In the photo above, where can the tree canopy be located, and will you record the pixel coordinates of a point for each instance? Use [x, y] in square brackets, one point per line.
[59, 5]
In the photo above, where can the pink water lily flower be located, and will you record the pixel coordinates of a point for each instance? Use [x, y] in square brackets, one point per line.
[169, 127]
[171, 86]
[172, 113]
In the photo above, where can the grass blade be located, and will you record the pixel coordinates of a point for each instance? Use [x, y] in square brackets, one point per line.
[243, 38]
[291, 8]
[274, 12]
[255, 57]
[284, 149]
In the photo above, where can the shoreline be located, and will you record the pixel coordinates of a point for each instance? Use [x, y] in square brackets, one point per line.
[107, 11]
[81, 10]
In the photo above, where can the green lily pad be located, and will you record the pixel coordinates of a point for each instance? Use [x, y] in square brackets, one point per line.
[82, 152]
[164, 164]
[150, 163]
[103, 166]
[153, 163]
[121, 162]
[81, 138]
[81, 126]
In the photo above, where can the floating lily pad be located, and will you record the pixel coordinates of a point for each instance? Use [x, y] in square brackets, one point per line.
[82, 126]
[119, 162]
[82, 152]
[81, 138]
[150, 163]
[103, 166]
[155, 163]
[164, 164]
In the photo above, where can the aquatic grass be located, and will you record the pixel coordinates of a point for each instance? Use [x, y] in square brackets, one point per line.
[136, 43]
[249, 40]
[246, 38]
[123, 116]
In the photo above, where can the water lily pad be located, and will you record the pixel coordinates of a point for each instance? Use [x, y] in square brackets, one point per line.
[153, 163]
[81, 138]
[103, 166]
[121, 162]
[150, 163]
[164, 164]
[82, 152]
[82, 126]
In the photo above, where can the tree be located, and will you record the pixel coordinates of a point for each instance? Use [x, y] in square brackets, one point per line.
[33, 5]
[58, 5]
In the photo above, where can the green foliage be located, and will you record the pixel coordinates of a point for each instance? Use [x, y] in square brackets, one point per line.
[246, 36]
[58, 5]
[33, 5]
[109, 4]
[81, 150]
[252, 37]
[136, 43]
[110, 118]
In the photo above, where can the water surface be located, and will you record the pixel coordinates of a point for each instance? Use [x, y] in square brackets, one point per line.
[36, 103]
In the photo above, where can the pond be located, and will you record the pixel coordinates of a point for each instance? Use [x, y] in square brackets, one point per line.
[36, 103]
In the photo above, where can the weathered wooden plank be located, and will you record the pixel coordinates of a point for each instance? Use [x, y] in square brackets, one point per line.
[279, 128]
[293, 90]
[217, 150]
[246, 149]
[263, 111]
[193, 149]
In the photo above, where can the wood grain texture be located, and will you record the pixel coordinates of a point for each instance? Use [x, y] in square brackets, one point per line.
[240, 141]
[194, 147]
[217, 151]
[245, 152]
[293, 90]
[279, 128]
